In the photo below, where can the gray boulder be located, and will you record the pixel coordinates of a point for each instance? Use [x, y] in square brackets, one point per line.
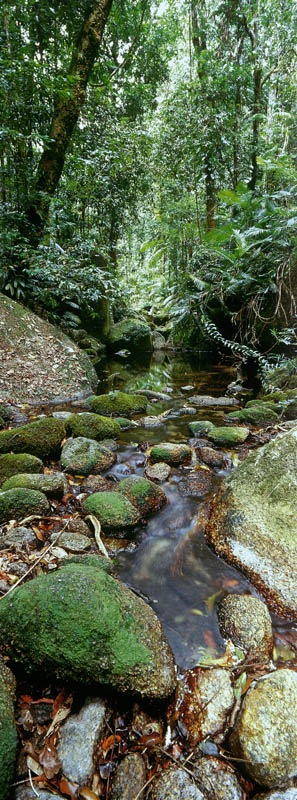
[132, 335]
[253, 521]
[83, 456]
[175, 784]
[217, 780]
[79, 737]
[265, 731]
[246, 621]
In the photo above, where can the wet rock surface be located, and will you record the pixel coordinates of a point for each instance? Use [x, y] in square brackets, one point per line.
[246, 621]
[204, 701]
[79, 736]
[196, 484]
[253, 521]
[158, 472]
[265, 731]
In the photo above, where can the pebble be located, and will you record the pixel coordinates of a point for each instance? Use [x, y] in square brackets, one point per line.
[73, 542]
[158, 472]
[217, 780]
[175, 784]
[130, 778]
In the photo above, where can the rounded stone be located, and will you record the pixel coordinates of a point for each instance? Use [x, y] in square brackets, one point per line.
[83, 456]
[13, 464]
[246, 621]
[175, 784]
[143, 494]
[265, 731]
[209, 456]
[119, 404]
[157, 472]
[204, 702]
[228, 436]
[171, 453]
[42, 438]
[96, 483]
[53, 485]
[201, 427]
[18, 536]
[19, 503]
[217, 780]
[113, 511]
[256, 415]
[73, 542]
[130, 778]
[92, 426]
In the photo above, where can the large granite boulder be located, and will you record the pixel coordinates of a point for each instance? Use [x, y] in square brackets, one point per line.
[265, 731]
[132, 335]
[92, 426]
[143, 494]
[114, 511]
[81, 624]
[83, 456]
[246, 621]
[39, 362]
[253, 520]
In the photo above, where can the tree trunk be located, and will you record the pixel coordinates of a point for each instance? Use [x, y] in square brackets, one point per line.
[256, 123]
[66, 114]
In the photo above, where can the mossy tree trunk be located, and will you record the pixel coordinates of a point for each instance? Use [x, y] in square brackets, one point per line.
[66, 114]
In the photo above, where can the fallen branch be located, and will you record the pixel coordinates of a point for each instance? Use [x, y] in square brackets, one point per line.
[97, 530]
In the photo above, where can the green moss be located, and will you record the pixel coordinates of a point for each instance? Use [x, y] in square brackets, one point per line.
[124, 423]
[275, 406]
[8, 734]
[171, 453]
[113, 511]
[2, 422]
[119, 403]
[80, 624]
[255, 415]
[200, 427]
[19, 503]
[130, 334]
[5, 413]
[83, 456]
[228, 436]
[50, 485]
[145, 495]
[42, 438]
[93, 426]
[11, 464]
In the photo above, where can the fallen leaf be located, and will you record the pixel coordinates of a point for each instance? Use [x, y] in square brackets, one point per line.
[68, 788]
[34, 766]
[110, 742]
[48, 758]
[87, 794]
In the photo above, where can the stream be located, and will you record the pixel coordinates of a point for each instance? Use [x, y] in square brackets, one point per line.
[169, 561]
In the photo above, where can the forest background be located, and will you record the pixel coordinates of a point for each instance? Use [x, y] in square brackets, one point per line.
[148, 160]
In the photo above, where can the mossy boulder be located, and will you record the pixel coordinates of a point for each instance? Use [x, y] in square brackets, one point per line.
[42, 438]
[92, 426]
[228, 437]
[83, 456]
[253, 521]
[173, 454]
[5, 413]
[273, 404]
[8, 734]
[143, 494]
[124, 423]
[113, 511]
[255, 415]
[200, 427]
[11, 464]
[2, 423]
[81, 624]
[130, 334]
[118, 403]
[18, 503]
[51, 485]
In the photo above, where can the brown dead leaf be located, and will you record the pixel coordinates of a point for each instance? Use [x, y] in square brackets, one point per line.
[110, 742]
[69, 788]
[38, 533]
[48, 758]
[87, 794]
[33, 765]
[60, 715]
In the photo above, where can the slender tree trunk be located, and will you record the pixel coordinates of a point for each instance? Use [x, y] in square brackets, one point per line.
[256, 124]
[66, 114]
[199, 40]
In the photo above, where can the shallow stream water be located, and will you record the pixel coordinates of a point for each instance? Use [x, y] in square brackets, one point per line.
[172, 565]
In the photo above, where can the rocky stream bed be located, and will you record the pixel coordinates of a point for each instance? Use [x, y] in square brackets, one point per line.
[135, 662]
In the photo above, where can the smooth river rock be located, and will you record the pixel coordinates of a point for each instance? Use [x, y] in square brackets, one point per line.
[130, 778]
[203, 702]
[246, 621]
[175, 784]
[253, 522]
[79, 736]
[265, 731]
[217, 780]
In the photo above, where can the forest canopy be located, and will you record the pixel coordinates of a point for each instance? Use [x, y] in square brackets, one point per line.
[148, 155]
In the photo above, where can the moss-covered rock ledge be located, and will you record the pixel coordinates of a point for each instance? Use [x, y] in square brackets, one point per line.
[38, 362]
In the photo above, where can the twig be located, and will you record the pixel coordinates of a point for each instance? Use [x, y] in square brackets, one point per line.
[97, 530]
[46, 550]
[179, 764]
[31, 784]
[145, 786]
